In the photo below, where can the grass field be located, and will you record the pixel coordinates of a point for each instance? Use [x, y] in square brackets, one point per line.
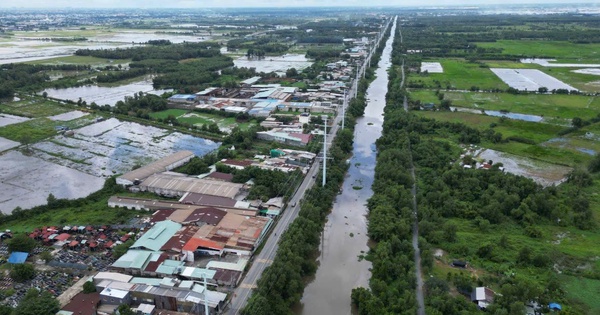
[547, 106]
[459, 74]
[583, 290]
[80, 60]
[536, 132]
[199, 119]
[95, 213]
[33, 107]
[38, 129]
[560, 50]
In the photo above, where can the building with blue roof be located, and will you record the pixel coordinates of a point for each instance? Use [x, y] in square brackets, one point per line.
[17, 257]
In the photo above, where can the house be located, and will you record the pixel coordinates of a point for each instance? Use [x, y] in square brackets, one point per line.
[115, 296]
[483, 297]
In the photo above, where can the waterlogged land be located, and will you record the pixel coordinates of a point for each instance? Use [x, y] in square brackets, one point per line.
[344, 241]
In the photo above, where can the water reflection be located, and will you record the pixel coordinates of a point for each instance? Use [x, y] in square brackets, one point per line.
[345, 238]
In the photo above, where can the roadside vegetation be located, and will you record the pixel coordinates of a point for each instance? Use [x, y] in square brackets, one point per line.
[526, 242]
[281, 284]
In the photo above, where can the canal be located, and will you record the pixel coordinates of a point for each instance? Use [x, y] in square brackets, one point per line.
[344, 239]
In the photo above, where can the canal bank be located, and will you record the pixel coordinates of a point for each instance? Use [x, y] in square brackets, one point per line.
[344, 239]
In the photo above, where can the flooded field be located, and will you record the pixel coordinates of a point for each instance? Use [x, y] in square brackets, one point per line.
[543, 173]
[517, 116]
[275, 64]
[344, 239]
[6, 144]
[26, 181]
[29, 46]
[77, 165]
[6, 119]
[104, 95]
[68, 116]
[113, 147]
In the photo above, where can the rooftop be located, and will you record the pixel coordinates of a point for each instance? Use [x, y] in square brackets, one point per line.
[83, 304]
[207, 200]
[182, 184]
[157, 236]
[157, 166]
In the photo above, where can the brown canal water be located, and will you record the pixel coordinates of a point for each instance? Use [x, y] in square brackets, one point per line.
[344, 238]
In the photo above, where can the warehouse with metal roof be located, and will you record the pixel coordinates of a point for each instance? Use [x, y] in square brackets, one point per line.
[169, 184]
[165, 164]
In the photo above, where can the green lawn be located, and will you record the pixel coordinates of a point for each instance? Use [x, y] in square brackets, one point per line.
[459, 74]
[561, 50]
[547, 106]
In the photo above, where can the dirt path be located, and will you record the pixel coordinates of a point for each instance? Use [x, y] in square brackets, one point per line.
[66, 296]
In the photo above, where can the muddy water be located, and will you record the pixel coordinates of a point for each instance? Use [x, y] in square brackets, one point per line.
[102, 95]
[345, 238]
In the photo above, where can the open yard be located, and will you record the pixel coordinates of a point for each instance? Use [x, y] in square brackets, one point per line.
[458, 74]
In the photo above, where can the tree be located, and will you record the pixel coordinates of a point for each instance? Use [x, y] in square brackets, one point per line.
[6, 310]
[45, 94]
[21, 243]
[22, 272]
[577, 122]
[37, 303]
[46, 256]
[89, 287]
[594, 165]
[124, 309]
[121, 249]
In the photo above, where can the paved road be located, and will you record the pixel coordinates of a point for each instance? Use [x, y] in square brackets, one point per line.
[267, 254]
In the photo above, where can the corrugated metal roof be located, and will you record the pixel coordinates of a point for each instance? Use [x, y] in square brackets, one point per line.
[157, 166]
[147, 281]
[157, 236]
[197, 273]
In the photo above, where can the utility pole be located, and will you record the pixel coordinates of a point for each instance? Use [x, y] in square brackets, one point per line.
[325, 152]
[206, 311]
[356, 82]
[344, 110]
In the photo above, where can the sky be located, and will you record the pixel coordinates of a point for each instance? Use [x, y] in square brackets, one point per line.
[254, 3]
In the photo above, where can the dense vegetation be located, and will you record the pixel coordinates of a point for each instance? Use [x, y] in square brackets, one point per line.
[496, 221]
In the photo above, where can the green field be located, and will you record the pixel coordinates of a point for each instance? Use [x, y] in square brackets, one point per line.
[94, 213]
[80, 60]
[560, 50]
[539, 133]
[459, 74]
[200, 119]
[38, 129]
[547, 106]
[33, 107]
[583, 290]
